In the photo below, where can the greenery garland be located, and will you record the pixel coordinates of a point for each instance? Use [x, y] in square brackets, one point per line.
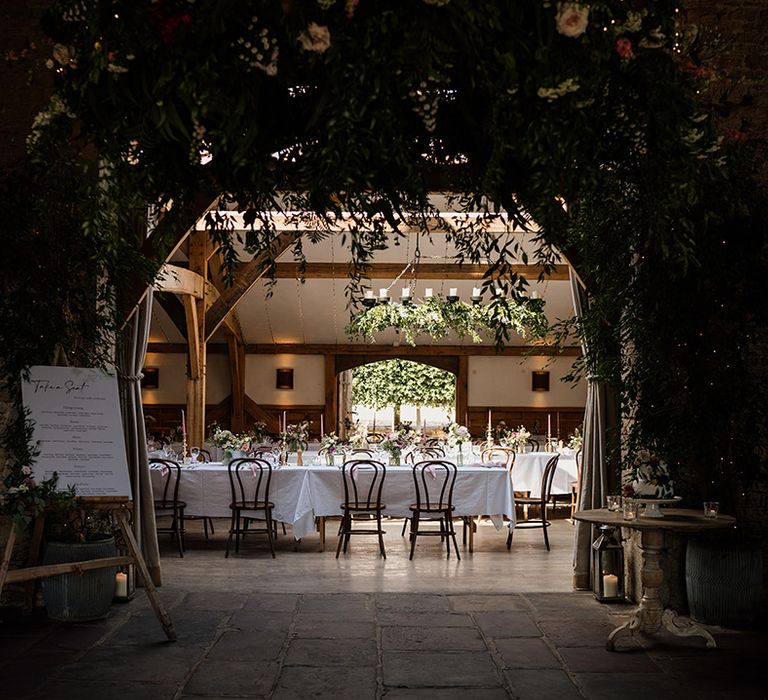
[436, 317]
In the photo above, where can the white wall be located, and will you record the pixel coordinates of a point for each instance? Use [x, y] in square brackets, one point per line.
[308, 379]
[173, 378]
[506, 381]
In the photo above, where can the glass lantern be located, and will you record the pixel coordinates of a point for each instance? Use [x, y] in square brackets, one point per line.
[125, 581]
[608, 566]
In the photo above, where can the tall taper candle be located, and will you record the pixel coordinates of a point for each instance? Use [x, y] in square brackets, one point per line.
[285, 421]
[558, 425]
[322, 427]
[489, 420]
[183, 423]
[549, 424]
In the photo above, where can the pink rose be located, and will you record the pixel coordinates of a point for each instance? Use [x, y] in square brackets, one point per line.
[624, 49]
[572, 19]
[315, 38]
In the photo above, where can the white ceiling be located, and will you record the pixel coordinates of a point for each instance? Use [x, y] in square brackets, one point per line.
[316, 311]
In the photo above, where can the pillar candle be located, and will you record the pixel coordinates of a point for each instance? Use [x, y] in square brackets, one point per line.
[382, 293]
[453, 292]
[610, 585]
[475, 291]
[406, 293]
[428, 292]
[121, 585]
[369, 294]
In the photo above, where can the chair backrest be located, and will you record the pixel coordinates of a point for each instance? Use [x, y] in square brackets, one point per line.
[374, 438]
[434, 480]
[534, 444]
[548, 476]
[266, 452]
[363, 480]
[204, 456]
[433, 442]
[170, 472]
[249, 481]
[491, 454]
[423, 453]
[362, 452]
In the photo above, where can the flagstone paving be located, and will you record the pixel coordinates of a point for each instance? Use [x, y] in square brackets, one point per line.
[308, 642]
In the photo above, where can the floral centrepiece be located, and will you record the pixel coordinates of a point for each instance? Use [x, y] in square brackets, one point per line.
[359, 437]
[231, 442]
[576, 440]
[516, 439]
[651, 477]
[398, 440]
[296, 436]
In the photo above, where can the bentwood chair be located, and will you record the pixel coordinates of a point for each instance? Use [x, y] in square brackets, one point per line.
[533, 444]
[249, 482]
[362, 453]
[363, 481]
[418, 455]
[540, 502]
[168, 504]
[434, 480]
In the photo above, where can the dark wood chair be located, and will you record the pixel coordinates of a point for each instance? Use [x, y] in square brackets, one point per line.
[534, 445]
[540, 502]
[168, 504]
[362, 453]
[434, 480]
[375, 438]
[363, 481]
[418, 455]
[249, 483]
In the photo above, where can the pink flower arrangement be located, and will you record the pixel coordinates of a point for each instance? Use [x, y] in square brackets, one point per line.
[623, 47]
[315, 38]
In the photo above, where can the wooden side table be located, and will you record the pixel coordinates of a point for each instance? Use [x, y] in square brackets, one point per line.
[651, 615]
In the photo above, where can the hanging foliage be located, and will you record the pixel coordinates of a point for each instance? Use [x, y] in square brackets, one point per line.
[436, 318]
[402, 382]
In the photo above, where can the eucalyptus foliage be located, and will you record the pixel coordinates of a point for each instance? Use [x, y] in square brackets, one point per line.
[436, 318]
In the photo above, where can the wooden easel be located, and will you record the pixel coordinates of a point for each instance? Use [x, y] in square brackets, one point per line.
[119, 507]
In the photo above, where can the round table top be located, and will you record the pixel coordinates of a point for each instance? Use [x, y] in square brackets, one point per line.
[677, 519]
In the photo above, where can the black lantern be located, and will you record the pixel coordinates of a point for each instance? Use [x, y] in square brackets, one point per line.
[608, 566]
[125, 581]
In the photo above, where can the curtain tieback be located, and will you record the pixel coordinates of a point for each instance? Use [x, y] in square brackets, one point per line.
[131, 377]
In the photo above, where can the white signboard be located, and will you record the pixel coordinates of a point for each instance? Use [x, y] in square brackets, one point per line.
[78, 429]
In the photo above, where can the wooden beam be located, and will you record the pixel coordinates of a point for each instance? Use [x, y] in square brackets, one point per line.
[163, 241]
[247, 276]
[180, 280]
[196, 381]
[330, 410]
[181, 348]
[405, 350]
[424, 271]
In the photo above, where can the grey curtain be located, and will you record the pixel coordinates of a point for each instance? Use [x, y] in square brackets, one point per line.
[593, 470]
[131, 353]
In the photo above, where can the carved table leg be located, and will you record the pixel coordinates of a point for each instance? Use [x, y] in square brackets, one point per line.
[650, 615]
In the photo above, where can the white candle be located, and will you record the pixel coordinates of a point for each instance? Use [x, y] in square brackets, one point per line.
[534, 295]
[428, 292]
[453, 292]
[121, 585]
[496, 291]
[406, 293]
[475, 292]
[285, 421]
[549, 424]
[369, 294]
[489, 420]
[183, 423]
[382, 294]
[610, 585]
[322, 427]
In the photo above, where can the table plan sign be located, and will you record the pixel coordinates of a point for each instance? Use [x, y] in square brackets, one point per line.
[78, 429]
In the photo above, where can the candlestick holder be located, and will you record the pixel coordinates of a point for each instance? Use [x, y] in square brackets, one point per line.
[184, 448]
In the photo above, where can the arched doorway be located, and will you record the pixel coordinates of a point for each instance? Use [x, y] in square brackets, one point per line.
[344, 364]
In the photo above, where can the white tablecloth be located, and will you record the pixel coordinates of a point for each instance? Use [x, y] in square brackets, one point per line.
[302, 493]
[529, 468]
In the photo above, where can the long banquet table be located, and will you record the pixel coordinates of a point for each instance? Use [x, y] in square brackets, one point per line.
[301, 494]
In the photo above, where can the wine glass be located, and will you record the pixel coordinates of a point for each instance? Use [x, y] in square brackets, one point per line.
[194, 453]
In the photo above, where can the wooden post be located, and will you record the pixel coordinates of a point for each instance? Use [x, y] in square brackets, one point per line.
[462, 388]
[195, 312]
[331, 395]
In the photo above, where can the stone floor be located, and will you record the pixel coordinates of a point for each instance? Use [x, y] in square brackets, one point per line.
[497, 624]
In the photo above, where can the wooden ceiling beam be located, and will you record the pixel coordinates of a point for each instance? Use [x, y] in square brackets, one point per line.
[245, 278]
[372, 349]
[423, 271]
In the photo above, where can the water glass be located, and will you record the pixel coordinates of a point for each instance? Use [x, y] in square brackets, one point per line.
[613, 503]
[711, 509]
[630, 509]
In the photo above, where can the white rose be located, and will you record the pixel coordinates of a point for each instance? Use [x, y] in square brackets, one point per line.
[315, 38]
[572, 19]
